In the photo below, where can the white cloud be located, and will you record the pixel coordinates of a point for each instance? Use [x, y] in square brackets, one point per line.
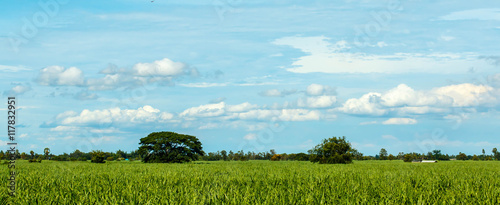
[12, 68]
[403, 100]
[317, 102]
[368, 104]
[24, 135]
[325, 57]
[57, 75]
[277, 93]
[241, 107]
[400, 121]
[468, 94]
[210, 110]
[17, 90]
[484, 14]
[143, 114]
[316, 89]
[250, 136]
[164, 67]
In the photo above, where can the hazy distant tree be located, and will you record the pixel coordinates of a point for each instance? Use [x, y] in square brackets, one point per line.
[231, 155]
[224, 155]
[32, 154]
[496, 154]
[46, 151]
[484, 154]
[2, 155]
[161, 147]
[332, 151]
[23, 155]
[475, 158]
[356, 155]
[461, 156]
[391, 157]
[383, 154]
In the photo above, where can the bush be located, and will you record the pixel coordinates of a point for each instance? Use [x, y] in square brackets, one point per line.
[110, 159]
[98, 157]
[276, 157]
[35, 160]
[408, 158]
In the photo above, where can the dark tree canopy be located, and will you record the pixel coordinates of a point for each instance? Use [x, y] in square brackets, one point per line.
[332, 151]
[161, 147]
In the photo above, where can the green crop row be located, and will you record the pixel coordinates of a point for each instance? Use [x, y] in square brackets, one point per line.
[254, 182]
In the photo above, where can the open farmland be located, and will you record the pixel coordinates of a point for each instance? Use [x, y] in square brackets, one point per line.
[256, 182]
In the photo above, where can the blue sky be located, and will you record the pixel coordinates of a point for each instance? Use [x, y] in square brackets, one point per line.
[407, 76]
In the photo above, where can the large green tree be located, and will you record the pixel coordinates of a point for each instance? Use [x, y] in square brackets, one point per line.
[168, 147]
[332, 151]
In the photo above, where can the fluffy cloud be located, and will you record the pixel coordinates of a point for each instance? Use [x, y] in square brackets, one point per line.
[114, 115]
[17, 90]
[164, 67]
[161, 71]
[316, 89]
[368, 104]
[399, 121]
[403, 100]
[57, 75]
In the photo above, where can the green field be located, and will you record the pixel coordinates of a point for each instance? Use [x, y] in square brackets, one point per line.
[255, 182]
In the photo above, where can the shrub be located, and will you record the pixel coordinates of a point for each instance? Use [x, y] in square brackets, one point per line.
[276, 157]
[110, 159]
[98, 156]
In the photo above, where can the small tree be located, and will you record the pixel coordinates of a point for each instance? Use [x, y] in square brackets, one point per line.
[461, 156]
[496, 154]
[98, 156]
[475, 158]
[46, 151]
[32, 154]
[332, 151]
[383, 154]
[169, 147]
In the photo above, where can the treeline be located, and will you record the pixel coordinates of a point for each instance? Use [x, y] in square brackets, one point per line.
[242, 156]
[77, 155]
[223, 155]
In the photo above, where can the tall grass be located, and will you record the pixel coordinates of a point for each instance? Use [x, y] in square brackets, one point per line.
[255, 182]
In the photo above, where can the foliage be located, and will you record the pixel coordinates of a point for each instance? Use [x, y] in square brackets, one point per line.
[161, 147]
[110, 159]
[35, 160]
[461, 156]
[276, 157]
[98, 156]
[383, 154]
[255, 182]
[332, 151]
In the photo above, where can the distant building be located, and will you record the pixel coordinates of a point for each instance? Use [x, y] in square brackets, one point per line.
[423, 161]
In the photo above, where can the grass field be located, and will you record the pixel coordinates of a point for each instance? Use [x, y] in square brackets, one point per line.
[255, 182]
